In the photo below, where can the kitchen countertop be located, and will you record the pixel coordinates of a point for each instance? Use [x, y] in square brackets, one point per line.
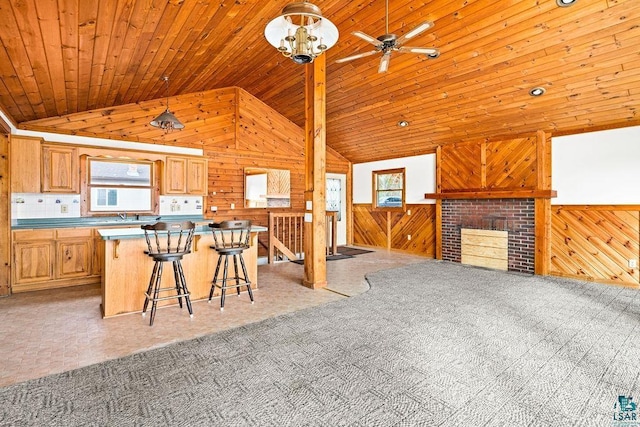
[202, 227]
[35, 223]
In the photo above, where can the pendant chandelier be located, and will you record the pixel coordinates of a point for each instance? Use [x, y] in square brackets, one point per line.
[166, 121]
[301, 33]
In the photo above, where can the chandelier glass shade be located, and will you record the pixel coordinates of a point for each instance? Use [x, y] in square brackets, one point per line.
[167, 121]
[301, 32]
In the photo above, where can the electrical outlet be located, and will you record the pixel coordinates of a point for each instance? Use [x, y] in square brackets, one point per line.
[64, 209]
[233, 205]
[213, 208]
[408, 236]
[633, 263]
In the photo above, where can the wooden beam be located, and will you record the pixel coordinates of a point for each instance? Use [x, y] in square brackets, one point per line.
[542, 212]
[438, 203]
[315, 261]
[5, 220]
[501, 194]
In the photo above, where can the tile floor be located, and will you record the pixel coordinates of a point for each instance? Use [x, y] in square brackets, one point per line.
[57, 330]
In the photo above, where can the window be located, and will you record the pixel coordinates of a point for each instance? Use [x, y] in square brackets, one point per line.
[334, 196]
[117, 185]
[388, 188]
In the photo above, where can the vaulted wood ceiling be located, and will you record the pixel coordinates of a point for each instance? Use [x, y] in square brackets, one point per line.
[66, 56]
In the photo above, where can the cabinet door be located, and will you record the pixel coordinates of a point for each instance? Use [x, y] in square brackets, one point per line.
[197, 176]
[98, 256]
[175, 175]
[74, 258]
[33, 261]
[25, 164]
[59, 169]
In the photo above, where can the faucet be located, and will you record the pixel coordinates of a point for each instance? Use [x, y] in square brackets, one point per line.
[123, 216]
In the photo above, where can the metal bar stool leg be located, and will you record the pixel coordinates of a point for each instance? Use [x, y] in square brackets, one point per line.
[235, 268]
[150, 288]
[224, 282]
[156, 292]
[215, 278]
[176, 278]
[246, 277]
[183, 286]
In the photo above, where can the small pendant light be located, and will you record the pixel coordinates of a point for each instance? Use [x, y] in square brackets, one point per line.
[166, 120]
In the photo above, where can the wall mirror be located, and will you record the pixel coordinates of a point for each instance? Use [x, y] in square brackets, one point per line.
[267, 188]
[116, 185]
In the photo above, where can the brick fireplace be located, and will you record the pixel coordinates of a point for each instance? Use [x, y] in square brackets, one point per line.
[516, 216]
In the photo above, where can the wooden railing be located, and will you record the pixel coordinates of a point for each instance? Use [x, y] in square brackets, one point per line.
[286, 236]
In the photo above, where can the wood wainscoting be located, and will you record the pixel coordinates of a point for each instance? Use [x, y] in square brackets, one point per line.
[391, 230]
[596, 243]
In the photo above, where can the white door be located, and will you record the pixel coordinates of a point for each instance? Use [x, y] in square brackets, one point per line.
[336, 196]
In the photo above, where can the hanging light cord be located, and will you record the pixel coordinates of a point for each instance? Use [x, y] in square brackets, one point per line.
[166, 82]
[387, 17]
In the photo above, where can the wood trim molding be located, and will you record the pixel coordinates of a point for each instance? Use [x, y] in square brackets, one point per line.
[506, 194]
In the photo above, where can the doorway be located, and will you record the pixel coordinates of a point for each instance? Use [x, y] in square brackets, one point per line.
[336, 196]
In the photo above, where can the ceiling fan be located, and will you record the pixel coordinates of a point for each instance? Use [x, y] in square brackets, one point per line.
[388, 43]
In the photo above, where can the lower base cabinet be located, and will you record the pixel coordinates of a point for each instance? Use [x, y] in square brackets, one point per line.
[54, 258]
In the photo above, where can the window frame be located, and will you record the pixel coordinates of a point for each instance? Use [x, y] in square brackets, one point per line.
[87, 186]
[375, 191]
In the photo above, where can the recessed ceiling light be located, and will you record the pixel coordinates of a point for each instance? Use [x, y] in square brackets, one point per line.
[565, 3]
[403, 123]
[537, 91]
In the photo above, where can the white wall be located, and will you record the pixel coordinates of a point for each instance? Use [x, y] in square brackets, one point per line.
[597, 168]
[420, 177]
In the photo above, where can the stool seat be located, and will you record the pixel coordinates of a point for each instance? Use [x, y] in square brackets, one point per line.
[167, 242]
[230, 238]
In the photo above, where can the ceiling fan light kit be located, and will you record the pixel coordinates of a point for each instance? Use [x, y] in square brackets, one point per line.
[301, 32]
[167, 121]
[389, 43]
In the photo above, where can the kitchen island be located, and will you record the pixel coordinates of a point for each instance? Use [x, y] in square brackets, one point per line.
[127, 269]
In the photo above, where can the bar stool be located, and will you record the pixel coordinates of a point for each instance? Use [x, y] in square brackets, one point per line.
[230, 238]
[167, 241]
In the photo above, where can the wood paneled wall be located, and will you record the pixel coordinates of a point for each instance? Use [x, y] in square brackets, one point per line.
[496, 165]
[262, 138]
[390, 229]
[596, 243]
[233, 128]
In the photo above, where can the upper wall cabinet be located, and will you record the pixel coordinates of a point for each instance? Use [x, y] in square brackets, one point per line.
[59, 169]
[25, 164]
[183, 175]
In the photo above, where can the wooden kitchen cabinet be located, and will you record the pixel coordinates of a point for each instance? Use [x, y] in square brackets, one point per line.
[183, 175]
[33, 263]
[74, 252]
[98, 254]
[49, 258]
[25, 164]
[59, 169]
[197, 175]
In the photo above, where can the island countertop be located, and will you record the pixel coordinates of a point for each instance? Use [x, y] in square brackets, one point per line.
[137, 232]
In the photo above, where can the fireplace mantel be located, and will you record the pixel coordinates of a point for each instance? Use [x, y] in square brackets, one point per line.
[504, 194]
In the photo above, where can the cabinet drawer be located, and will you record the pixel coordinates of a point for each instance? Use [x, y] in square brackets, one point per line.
[23, 235]
[63, 233]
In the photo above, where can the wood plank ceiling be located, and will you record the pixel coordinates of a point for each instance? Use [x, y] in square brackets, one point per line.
[65, 56]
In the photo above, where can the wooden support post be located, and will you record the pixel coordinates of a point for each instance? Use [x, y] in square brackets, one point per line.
[438, 203]
[5, 220]
[315, 261]
[543, 206]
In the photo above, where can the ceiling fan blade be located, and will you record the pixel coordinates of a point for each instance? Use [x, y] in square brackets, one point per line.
[414, 32]
[367, 38]
[425, 50]
[360, 55]
[384, 63]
